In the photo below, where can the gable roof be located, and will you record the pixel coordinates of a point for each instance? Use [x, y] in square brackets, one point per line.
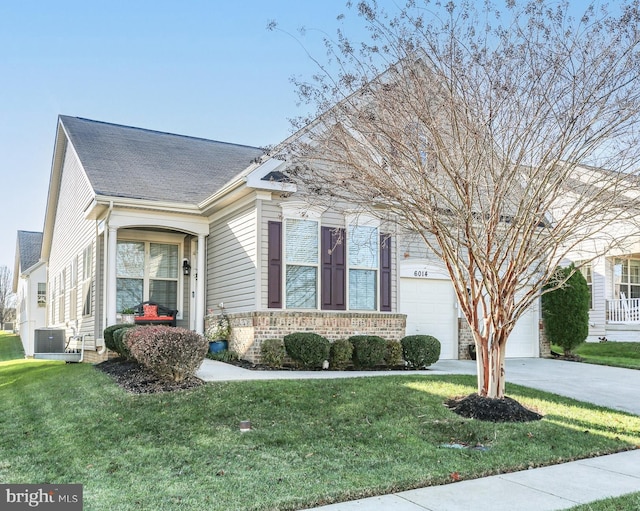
[28, 248]
[136, 163]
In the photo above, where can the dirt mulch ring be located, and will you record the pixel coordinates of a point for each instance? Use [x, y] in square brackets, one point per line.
[134, 378]
[506, 409]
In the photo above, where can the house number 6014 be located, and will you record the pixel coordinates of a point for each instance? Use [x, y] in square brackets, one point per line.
[420, 273]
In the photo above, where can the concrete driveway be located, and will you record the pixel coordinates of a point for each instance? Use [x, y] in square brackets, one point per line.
[605, 386]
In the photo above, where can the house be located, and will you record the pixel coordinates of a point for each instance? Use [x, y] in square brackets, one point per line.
[135, 214]
[29, 285]
[609, 259]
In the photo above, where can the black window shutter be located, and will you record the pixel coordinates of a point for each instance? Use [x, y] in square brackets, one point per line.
[385, 273]
[333, 268]
[274, 274]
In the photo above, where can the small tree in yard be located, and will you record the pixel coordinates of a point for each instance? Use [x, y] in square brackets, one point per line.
[6, 295]
[469, 129]
[565, 309]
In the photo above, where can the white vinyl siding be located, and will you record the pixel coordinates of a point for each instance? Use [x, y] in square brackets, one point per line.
[232, 261]
[72, 233]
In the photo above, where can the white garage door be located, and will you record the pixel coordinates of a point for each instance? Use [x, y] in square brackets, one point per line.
[523, 341]
[430, 306]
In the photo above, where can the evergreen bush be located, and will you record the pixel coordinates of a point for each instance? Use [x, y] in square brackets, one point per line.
[393, 357]
[340, 356]
[420, 350]
[368, 350]
[565, 309]
[108, 335]
[120, 343]
[308, 349]
[272, 352]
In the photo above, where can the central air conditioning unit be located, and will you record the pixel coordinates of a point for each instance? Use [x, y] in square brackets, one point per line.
[49, 340]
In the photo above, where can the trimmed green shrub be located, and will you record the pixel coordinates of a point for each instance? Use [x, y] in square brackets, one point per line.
[307, 348]
[565, 310]
[368, 350]
[393, 357]
[120, 343]
[420, 350]
[340, 354]
[272, 352]
[169, 352]
[108, 335]
[224, 356]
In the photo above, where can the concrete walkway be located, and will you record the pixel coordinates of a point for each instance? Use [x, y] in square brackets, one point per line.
[550, 488]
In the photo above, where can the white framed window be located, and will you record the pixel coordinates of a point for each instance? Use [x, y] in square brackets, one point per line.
[42, 294]
[363, 248]
[301, 263]
[73, 294]
[148, 268]
[87, 280]
[62, 283]
[626, 278]
[587, 273]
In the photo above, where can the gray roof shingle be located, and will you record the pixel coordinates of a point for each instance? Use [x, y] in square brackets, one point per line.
[29, 248]
[123, 161]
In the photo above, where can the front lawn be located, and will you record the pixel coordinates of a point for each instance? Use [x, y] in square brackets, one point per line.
[10, 347]
[625, 503]
[313, 441]
[617, 354]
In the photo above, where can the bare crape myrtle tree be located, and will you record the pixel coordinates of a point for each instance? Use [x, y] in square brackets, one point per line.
[503, 138]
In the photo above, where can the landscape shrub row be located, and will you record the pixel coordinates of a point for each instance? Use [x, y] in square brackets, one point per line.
[169, 352]
[312, 351]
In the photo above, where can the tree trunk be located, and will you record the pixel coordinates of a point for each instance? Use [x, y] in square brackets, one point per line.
[491, 374]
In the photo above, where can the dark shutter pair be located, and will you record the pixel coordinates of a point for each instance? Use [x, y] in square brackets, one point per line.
[333, 268]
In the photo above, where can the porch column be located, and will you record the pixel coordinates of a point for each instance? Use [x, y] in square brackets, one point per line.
[200, 276]
[111, 274]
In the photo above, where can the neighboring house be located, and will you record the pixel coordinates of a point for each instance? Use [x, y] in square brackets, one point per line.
[29, 285]
[137, 215]
[610, 263]
[609, 259]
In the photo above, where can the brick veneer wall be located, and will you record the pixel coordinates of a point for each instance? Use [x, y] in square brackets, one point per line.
[545, 345]
[465, 339]
[248, 330]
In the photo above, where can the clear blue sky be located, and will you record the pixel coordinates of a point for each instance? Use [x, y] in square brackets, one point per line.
[205, 68]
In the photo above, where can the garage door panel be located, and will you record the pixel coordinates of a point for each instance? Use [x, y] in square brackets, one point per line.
[430, 309]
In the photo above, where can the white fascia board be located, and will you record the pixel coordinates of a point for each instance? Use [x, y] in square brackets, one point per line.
[95, 209]
[255, 178]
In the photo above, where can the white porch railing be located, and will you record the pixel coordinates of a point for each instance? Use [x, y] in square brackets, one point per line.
[626, 310]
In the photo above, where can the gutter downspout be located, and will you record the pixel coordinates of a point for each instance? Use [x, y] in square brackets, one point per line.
[105, 274]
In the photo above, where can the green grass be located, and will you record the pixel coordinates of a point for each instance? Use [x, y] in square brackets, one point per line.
[629, 502]
[10, 347]
[616, 354]
[313, 441]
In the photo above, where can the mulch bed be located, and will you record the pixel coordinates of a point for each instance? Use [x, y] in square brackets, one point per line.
[506, 409]
[136, 379]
